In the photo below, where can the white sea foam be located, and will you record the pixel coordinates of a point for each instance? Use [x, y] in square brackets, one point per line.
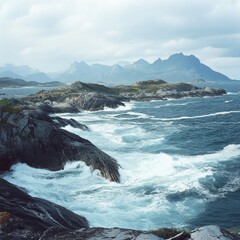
[175, 104]
[128, 106]
[146, 182]
[199, 116]
[233, 93]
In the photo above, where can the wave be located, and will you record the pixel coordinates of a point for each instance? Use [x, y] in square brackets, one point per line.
[128, 106]
[175, 104]
[233, 93]
[148, 185]
[199, 116]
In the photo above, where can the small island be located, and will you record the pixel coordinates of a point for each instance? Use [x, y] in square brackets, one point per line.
[8, 82]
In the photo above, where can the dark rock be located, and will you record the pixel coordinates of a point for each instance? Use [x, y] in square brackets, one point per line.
[98, 233]
[26, 217]
[33, 137]
[64, 122]
[93, 101]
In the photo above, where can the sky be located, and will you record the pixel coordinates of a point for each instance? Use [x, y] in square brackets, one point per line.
[51, 34]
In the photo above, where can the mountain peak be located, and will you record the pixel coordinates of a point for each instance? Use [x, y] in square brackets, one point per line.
[159, 60]
[141, 62]
[181, 57]
[78, 66]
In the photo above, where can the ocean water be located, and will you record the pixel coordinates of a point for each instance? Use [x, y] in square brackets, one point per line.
[180, 165]
[20, 92]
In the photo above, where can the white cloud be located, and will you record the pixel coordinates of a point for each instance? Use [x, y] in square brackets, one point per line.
[51, 34]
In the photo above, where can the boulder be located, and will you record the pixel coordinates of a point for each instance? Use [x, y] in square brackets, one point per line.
[26, 217]
[212, 232]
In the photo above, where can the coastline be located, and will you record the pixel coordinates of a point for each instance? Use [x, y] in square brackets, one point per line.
[43, 238]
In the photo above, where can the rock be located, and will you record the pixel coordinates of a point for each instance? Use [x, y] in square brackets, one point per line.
[161, 90]
[76, 97]
[97, 234]
[92, 97]
[64, 122]
[212, 232]
[94, 101]
[26, 217]
[32, 137]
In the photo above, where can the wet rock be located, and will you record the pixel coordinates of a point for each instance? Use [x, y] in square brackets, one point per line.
[98, 234]
[26, 217]
[32, 137]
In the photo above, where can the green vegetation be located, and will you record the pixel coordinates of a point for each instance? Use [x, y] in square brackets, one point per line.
[152, 86]
[9, 105]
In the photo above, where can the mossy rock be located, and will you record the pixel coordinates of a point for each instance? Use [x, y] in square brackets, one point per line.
[11, 106]
[4, 218]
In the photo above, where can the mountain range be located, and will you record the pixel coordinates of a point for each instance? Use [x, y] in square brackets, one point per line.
[177, 68]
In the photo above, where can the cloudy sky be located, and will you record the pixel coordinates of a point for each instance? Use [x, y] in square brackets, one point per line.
[51, 34]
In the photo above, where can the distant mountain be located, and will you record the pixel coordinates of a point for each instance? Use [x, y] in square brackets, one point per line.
[39, 77]
[23, 72]
[6, 82]
[177, 68]
[9, 74]
[19, 70]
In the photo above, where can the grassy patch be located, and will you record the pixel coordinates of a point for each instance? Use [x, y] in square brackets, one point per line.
[6, 105]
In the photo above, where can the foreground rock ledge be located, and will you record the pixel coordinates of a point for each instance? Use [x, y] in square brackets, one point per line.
[26, 217]
[31, 136]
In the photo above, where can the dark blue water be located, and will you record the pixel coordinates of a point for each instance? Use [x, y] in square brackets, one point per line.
[180, 165]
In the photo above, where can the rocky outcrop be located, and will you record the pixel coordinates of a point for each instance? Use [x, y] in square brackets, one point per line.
[79, 96]
[26, 217]
[161, 90]
[31, 136]
[98, 234]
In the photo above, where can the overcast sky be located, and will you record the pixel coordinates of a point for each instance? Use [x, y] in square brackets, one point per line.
[51, 34]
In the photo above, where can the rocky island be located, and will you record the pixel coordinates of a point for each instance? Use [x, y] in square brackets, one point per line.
[88, 96]
[29, 135]
[8, 82]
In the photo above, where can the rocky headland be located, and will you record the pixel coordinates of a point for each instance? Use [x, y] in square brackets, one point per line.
[30, 135]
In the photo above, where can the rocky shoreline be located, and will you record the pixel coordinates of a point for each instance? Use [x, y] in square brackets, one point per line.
[29, 135]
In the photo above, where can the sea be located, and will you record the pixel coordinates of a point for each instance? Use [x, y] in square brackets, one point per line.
[180, 165]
